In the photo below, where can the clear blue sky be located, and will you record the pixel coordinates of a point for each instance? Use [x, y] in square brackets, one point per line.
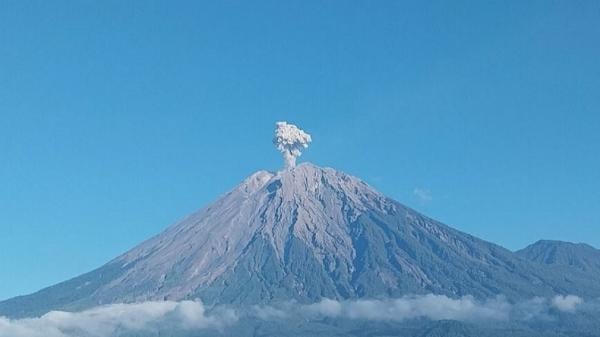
[118, 118]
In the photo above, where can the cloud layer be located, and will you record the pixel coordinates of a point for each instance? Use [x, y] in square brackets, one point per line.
[115, 319]
[433, 307]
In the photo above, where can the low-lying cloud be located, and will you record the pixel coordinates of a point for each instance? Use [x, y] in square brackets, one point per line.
[433, 307]
[116, 319]
[110, 320]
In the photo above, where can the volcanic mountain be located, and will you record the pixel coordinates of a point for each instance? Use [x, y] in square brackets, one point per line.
[305, 233]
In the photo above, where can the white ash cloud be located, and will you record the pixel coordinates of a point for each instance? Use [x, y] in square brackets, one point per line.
[114, 319]
[290, 141]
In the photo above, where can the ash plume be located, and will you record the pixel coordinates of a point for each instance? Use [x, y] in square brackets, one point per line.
[290, 141]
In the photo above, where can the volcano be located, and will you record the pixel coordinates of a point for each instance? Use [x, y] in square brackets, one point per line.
[305, 233]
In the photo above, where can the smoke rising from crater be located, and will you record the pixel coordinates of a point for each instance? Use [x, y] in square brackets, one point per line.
[290, 141]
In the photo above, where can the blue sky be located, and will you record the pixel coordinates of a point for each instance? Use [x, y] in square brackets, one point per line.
[118, 118]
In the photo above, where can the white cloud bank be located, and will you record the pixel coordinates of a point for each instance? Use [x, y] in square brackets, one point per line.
[112, 319]
[115, 319]
[433, 307]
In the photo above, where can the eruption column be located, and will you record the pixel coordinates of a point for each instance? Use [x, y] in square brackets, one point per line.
[290, 141]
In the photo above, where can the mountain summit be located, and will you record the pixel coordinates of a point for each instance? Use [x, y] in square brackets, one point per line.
[304, 233]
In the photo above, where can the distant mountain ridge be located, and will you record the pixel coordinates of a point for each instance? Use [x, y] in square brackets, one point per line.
[580, 256]
[303, 234]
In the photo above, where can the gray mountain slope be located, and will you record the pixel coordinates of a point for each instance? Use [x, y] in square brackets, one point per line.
[578, 256]
[303, 234]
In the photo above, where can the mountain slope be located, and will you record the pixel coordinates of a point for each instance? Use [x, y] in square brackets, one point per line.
[579, 256]
[305, 233]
